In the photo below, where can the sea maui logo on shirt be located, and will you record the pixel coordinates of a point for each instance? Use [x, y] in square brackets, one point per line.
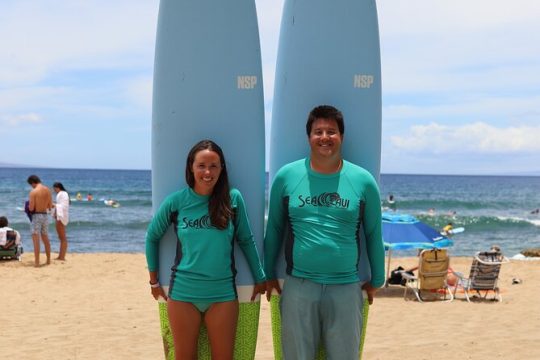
[203, 222]
[324, 199]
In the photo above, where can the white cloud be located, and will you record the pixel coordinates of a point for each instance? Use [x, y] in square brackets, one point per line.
[15, 120]
[478, 137]
[15, 98]
[441, 46]
[408, 17]
[518, 109]
[60, 35]
[139, 92]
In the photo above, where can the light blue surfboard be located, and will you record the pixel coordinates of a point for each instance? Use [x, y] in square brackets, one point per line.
[328, 54]
[454, 231]
[208, 85]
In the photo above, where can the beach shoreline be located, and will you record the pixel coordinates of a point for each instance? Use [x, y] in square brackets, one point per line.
[98, 306]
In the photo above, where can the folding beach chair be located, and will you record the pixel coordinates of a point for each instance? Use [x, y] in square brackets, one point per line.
[14, 250]
[431, 280]
[484, 276]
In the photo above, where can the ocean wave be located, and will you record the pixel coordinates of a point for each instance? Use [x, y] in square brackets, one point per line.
[480, 222]
[515, 219]
[467, 204]
[122, 201]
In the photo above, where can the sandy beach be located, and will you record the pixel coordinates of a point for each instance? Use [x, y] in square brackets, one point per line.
[98, 306]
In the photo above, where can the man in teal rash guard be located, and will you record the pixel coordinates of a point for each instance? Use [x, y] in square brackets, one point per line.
[318, 206]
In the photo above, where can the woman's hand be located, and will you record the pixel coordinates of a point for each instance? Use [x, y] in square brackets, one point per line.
[157, 292]
[259, 288]
[270, 286]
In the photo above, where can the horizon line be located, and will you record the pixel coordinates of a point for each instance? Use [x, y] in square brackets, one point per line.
[16, 166]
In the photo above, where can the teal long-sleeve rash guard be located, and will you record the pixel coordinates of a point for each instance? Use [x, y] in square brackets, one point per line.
[203, 269]
[320, 214]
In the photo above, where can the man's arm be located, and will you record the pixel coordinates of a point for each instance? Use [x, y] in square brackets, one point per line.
[373, 231]
[274, 228]
[49, 200]
[32, 201]
[274, 234]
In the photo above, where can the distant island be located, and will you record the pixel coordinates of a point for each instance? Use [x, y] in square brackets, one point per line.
[8, 165]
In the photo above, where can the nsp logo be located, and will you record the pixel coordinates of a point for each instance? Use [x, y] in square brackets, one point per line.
[363, 81]
[246, 82]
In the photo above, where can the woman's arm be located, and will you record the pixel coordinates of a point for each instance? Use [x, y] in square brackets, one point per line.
[244, 237]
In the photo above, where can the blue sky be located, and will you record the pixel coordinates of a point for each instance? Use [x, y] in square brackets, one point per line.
[461, 83]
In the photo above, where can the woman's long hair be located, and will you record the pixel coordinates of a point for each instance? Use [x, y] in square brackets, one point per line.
[60, 186]
[219, 204]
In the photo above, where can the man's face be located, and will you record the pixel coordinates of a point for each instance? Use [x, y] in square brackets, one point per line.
[324, 138]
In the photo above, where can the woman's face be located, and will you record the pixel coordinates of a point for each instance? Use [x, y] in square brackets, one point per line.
[56, 189]
[206, 170]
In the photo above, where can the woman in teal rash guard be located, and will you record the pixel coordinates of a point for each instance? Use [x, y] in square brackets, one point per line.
[207, 216]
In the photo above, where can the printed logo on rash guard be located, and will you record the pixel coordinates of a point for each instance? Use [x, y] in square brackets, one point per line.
[324, 199]
[201, 223]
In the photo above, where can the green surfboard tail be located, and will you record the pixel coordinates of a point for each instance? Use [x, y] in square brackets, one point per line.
[246, 333]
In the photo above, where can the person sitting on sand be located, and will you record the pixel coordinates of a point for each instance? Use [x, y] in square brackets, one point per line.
[451, 278]
[8, 236]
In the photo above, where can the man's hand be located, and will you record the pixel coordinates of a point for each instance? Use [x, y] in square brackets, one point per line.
[370, 292]
[270, 286]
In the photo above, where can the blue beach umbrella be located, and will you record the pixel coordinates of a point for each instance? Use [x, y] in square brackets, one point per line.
[402, 231]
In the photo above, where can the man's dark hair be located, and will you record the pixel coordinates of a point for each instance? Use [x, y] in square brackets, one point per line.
[3, 221]
[33, 179]
[325, 112]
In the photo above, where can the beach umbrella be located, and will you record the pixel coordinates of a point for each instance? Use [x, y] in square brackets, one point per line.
[402, 231]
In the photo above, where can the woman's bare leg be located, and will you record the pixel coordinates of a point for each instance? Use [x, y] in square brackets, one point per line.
[185, 321]
[61, 230]
[221, 319]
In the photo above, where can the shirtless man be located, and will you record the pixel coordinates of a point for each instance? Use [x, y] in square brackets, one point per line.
[40, 202]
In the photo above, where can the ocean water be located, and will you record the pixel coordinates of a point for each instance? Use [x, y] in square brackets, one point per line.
[493, 209]
[93, 226]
